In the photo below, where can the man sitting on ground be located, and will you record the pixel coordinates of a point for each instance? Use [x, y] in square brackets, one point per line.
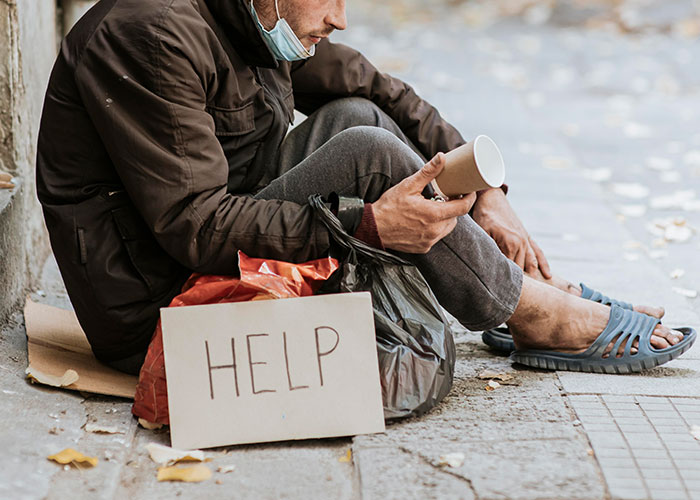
[164, 149]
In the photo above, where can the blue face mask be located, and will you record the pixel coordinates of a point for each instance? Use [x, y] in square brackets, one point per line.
[282, 40]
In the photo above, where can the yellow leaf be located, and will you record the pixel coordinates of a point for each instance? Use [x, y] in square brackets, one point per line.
[187, 474]
[70, 456]
[151, 426]
[69, 377]
[165, 455]
[347, 457]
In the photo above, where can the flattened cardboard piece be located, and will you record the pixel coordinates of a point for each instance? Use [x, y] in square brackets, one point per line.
[56, 343]
[272, 370]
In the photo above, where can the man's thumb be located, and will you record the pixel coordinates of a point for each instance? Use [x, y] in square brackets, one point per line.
[430, 170]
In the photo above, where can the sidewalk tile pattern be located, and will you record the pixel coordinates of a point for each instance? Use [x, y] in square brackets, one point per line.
[644, 445]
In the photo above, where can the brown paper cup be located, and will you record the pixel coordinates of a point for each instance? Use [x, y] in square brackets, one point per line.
[471, 167]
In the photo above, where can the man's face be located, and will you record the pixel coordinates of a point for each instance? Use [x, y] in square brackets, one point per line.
[311, 20]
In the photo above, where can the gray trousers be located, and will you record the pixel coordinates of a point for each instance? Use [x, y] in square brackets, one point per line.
[353, 148]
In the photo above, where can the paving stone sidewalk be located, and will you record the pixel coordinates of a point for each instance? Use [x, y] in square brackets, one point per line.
[578, 115]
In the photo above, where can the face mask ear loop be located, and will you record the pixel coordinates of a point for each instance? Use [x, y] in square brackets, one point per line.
[278, 10]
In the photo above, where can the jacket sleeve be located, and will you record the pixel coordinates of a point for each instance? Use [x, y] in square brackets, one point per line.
[337, 70]
[147, 102]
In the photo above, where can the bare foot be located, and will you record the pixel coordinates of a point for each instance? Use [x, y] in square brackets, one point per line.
[568, 287]
[550, 319]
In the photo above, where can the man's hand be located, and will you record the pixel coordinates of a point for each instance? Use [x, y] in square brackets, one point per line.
[407, 222]
[495, 215]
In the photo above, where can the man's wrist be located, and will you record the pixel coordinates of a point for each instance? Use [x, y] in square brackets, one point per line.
[503, 190]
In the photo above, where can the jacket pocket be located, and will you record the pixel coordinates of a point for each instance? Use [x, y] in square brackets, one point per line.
[230, 122]
[155, 267]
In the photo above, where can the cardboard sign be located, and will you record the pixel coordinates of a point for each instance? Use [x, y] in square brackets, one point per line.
[272, 370]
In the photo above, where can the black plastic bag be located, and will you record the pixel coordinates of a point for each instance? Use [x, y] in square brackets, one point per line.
[415, 344]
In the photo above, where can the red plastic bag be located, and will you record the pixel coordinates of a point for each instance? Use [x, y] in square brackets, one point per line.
[260, 280]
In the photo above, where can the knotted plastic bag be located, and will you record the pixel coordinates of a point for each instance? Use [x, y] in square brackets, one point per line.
[415, 343]
[260, 279]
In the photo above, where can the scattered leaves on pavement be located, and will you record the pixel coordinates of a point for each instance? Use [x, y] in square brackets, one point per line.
[657, 163]
[598, 174]
[685, 292]
[165, 455]
[151, 426]
[194, 474]
[69, 377]
[695, 432]
[225, 469]
[73, 457]
[102, 429]
[492, 385]
[632, 210]
[631, 190]
[452, 460]
[677, 273]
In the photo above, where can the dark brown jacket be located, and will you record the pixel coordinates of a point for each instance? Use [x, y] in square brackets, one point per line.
[153, 135]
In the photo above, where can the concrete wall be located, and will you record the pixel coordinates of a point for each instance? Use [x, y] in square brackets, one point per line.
[27, 51]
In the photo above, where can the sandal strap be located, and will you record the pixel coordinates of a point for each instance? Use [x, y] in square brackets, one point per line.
[630, 326]
[596, 296]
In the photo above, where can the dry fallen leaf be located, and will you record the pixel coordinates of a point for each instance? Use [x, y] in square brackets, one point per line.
[165, 455]
[6, 185]
[598, 174]
[678, 234]
[347, 457]
[637, 130]
[670, 177]
[452, 459]
[677, 273]
[631, 256]
[225, 469]
[691, 206]
[185, 474]
[103, 429]
[695, 432]
[632, 210]
[674, 229]
[151, 426]
[73, 457]
[5, 177]
[656, 163]
[556, 163]
[571, 130]
[674, 200]
[658, 254]
[494, 375]
[691, 294]
[68, 378]
[570, 237]
[692, 158]
[631, 190]
[492, 385]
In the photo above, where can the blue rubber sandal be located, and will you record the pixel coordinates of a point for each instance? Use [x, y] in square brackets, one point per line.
[623, 328]
[500, 338]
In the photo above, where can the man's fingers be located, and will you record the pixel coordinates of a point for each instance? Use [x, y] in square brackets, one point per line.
[530, 260]
[519, 258]
[430, 170]
[455, 208]
[541, 260]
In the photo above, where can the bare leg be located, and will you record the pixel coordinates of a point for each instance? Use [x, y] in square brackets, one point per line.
[548, 318]
[568, 287]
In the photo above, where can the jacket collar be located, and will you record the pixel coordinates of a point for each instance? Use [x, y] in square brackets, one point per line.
[237, 22]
